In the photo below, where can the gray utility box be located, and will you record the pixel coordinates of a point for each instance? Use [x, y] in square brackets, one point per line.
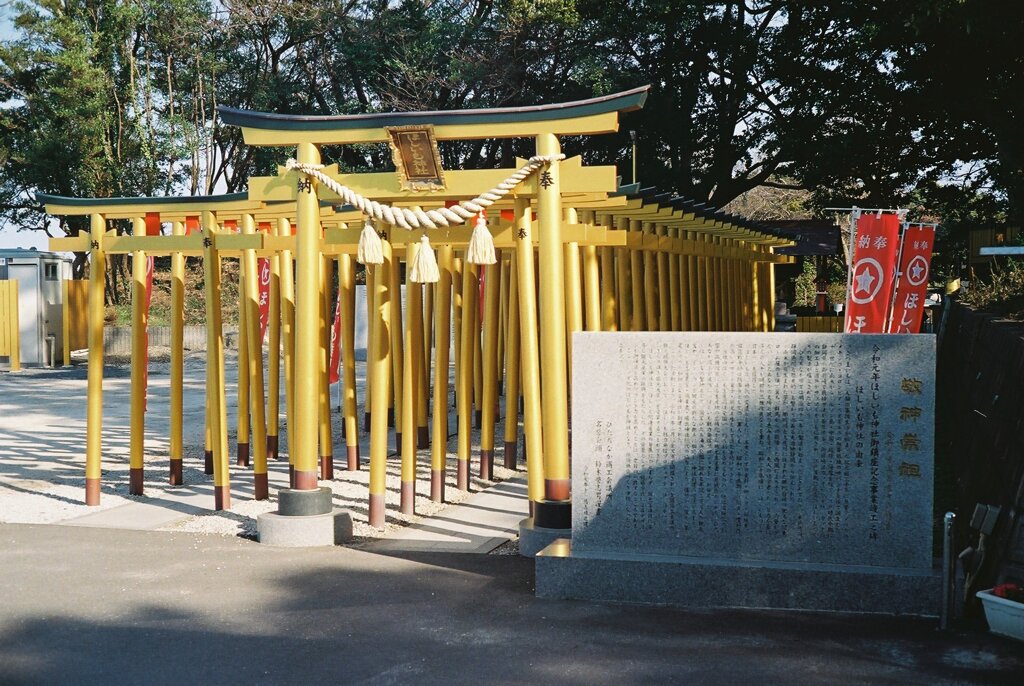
[40, 301]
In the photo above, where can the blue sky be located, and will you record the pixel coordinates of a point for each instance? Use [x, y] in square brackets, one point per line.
[10, 237]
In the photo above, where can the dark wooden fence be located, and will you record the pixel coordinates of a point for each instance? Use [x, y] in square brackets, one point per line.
[979, 436]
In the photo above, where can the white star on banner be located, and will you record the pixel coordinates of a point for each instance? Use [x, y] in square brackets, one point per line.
[864, 280]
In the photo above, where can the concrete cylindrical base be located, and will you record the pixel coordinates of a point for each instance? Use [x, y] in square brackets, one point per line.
[462, 476]
[533, 538]
[208, 462]
[422, 437]
[553, 514]
[273, 449]
[293, 503]
[330, 528]
[243, 455]
[353, 458]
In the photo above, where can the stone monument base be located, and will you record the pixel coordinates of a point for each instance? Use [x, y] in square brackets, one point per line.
[701, 582]
[304, 531]
[533, 538]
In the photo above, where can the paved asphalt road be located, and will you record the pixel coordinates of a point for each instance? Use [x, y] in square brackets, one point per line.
[97, 606]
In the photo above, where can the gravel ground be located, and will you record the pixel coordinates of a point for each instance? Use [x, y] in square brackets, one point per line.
[42, 458]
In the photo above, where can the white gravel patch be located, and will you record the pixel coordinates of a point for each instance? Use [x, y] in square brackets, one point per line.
[42, 454]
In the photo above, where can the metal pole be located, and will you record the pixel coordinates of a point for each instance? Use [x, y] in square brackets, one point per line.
[948, 566]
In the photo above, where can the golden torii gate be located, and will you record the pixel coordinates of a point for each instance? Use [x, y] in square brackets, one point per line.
[543, 123]
[648, 243]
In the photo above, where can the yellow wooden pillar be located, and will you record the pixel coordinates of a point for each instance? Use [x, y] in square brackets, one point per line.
[288, 333]
[323, 357]
[423, 342]
[623, 281]
[410, 378]
[573, 291]
[489, 399]
[176, 474]
[636, 283]
[770, 287]
[697, 268]
[379, 356]
[729, 288]
[609, 293]
[512, 367]
[307, 329]
[652, 294]
[457, 314]
[274, 357]
[554, 375]
[442, 346]
[592, 287]
[250, 282]
[370, 273]
[529, 354]
[687, 321]
[673, 262]
[346, 284]
[712, 293]
[217, 407]
[464, 372]
[478, 357]
[397, 349]
[754, 286]
[139, 364]
[242, 404]
[94, 409]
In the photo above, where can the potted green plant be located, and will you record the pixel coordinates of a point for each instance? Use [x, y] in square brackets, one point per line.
[1004, 610]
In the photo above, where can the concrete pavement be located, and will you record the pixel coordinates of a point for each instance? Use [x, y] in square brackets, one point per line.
[99, 606]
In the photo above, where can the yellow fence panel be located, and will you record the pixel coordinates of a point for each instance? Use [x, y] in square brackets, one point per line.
[819, 324]
[76, 322]
[10, 330]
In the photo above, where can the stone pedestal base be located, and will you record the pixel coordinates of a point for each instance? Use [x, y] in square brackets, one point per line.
[307, 531]
[700, 582]
[533, 538]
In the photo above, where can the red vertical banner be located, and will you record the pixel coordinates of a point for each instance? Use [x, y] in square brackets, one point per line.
[263, 268]
[336, 342]
[876, 249]
[912, 288]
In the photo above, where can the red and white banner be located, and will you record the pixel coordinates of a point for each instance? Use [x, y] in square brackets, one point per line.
[335, 360]
[912, 288]
[876, 249]
[263, 269]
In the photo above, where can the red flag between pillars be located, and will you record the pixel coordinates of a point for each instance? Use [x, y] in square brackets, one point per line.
[876, 249]
[263, 269]
[336, 342]
[912, 288]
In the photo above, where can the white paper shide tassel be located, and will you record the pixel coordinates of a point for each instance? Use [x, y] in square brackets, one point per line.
[424, 267]
[481, 243]
[370, 249]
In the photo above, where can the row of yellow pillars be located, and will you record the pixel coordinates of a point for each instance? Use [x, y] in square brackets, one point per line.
[532, 302]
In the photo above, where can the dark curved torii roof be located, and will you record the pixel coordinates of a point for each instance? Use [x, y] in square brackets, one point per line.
[625, 101]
